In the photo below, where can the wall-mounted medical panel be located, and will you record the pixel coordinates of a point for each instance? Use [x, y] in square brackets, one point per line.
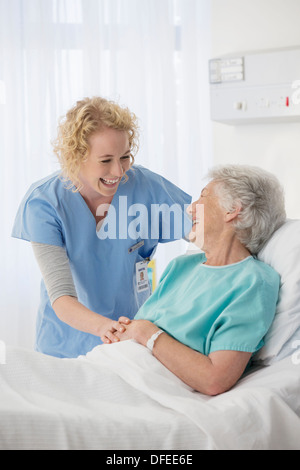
[256, 87]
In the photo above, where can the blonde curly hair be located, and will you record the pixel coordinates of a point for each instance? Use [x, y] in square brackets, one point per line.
[87, 117]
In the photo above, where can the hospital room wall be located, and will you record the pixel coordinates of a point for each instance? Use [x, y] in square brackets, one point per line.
[249, 25]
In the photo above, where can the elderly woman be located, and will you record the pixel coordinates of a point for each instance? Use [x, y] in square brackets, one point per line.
[83, 236]
[211, 310]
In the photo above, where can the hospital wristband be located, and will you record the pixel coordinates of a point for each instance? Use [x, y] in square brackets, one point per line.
[151, 341]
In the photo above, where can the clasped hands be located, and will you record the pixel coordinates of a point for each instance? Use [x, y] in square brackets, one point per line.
[125, 329]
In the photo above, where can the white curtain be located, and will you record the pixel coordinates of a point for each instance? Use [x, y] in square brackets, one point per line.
[150, 55]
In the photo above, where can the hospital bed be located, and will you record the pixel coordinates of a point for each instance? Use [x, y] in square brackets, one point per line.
[120, 397]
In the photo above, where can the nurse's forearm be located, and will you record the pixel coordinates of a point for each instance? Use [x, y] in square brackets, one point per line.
[72, 312]
[54, 264]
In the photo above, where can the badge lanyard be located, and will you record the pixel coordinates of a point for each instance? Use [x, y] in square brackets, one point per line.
[141, 270]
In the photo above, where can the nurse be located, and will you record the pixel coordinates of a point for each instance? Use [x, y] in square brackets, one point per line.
[93, 226]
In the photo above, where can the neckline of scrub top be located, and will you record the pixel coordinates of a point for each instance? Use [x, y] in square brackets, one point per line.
[225, 265]
[83, 202]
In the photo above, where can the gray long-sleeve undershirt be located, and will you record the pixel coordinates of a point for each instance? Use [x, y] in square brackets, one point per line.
[55, 268]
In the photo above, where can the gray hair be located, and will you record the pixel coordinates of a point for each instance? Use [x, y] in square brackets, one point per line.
[260, 196]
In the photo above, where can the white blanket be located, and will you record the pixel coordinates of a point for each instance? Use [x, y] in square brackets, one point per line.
[120, 397]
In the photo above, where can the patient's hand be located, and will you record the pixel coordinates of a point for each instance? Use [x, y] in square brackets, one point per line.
[113, 328]
[139, 330]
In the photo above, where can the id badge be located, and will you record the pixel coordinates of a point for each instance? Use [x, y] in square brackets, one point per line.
[141, 272]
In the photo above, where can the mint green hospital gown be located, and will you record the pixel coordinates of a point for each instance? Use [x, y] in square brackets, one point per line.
[213, 308]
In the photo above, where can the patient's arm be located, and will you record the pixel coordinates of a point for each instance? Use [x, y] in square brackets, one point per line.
[211, 375]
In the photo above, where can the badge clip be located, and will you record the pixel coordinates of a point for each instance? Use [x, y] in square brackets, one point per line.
[136, 246]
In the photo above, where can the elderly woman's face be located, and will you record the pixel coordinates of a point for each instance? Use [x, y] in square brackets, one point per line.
[108, 160]
[207, 215]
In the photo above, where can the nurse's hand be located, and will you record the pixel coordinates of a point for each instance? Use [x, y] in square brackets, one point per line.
[113, 327]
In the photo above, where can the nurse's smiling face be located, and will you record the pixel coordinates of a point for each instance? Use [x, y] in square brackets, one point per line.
[106, 163]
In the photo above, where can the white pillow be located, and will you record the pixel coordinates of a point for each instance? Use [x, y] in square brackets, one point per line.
[282, 252]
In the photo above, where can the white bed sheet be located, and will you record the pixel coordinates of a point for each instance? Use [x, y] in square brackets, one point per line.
[120, 397]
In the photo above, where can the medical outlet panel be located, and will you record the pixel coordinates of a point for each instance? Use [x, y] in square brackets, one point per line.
[256, 87]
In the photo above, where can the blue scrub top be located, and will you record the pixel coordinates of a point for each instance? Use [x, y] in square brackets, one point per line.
[146, 210]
